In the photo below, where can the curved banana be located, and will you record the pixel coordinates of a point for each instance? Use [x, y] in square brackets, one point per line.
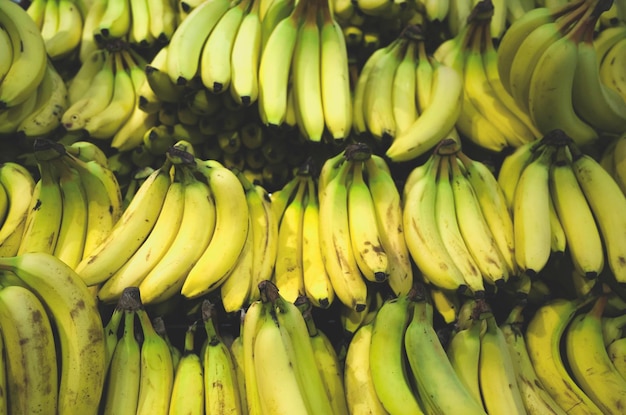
[590, 363]
[386, 357]
[288, 267]
[28, 341]
[19, 186]
[68, 35]
[6, 53]
[157, 370]
[129, 232]
[124, 371]
[91, 39]
[404, 89]
[116, 21]
[543, 339]
[130, 134]
[215, 69]
[188, 387]
[245, 57]
[163, 20]
[438, 384]
[79, 327]
[617, 354]
[360, 392]
[358, 110]
[230, 232]
[89, 67]
[235, 290]
[168, 275]
[463, 352]
[595, 182]
[28, 66]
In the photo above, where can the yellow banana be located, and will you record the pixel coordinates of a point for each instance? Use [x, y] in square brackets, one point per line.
[19, 186]
[188, 388]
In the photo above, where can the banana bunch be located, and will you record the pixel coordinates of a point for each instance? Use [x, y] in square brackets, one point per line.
[299, 269]
[103, 98]
[157, 244]
[361, 232]
[489, 116]
[560, 63]
[143, 23]
[23, 59]
[53, 338]
[60, 23]
[610, 46]
[458, 228]
[560, 174]
[140, 373]
[405, 99]
[396, 364]
[580, 329]
[16, 190]
[217, 45]
[303, 72]
[287, 367]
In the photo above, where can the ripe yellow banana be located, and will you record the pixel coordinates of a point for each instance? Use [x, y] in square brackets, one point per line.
[188, 388]
[19, 186]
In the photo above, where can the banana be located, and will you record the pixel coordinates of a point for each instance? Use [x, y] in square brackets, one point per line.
[483, 96]
[139, 32]
[531, 214]
[441, 389]
[422, 235]
[612, 327]
[73, 229]
[67, 36]
[159, 80]
[449, 230]
[275, 372]
[163, 20]
[493, 206]
[19, 186]
[158, 242]
[185, 47]
[6, 53]
[306, 77]
[536, 398]
[595, 182]
[288, 268]
[612, 66]
[130, 135]
[377, 97]
[125, 371]
[370, 255]
[602, 107]
[252, 320]
[463, 352]
[387, 205]
[583, 236]
[4, 204]
[373, 7]
[230, 232]
[543, 338]
[44, 219]
[28, 341]
[590, 364]
[129, 232]
[116, 21]
[436, 121]
[335, 78]
[219, 369]
[215, 69]
[245, 57]
[511, 169]
[337, 252]
[95, 99]
[386, 359]
[111, 334]
[28, 66]
[358, 111]
[276, 11]
[11, 118]
[188, 388]
[36, 10]
[404, 89]
[167, 276]
[47, 117]
[109, 120]
[91, 39]
[157, 371]
[360, 392]
[235, 290]
[317, 284]
[498, 384]
[553, 108]
[89, 67]
[275, 68]
[475, 229]
[79, 327]
[617, 354]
